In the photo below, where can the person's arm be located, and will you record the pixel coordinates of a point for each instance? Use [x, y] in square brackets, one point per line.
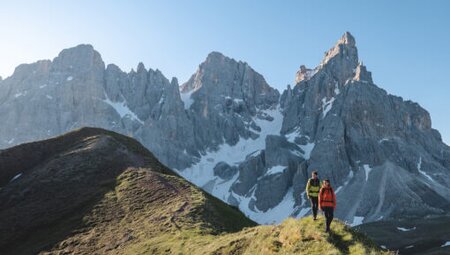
[334, 200]
[307, 188]
[320, 198]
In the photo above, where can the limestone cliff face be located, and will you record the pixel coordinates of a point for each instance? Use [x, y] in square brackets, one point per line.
[227, 131]
[371, 145]
[223, 97]
[377, 149]
[48, 98]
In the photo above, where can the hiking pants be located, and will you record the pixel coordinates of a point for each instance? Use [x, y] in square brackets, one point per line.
[328, 211]
[314, 205]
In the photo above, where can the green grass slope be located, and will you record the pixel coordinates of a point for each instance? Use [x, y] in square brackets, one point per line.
[93, 191]
[136, 219]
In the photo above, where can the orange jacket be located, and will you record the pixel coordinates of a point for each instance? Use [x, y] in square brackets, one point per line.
[327, 198]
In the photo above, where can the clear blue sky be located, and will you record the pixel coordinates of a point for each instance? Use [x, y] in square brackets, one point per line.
[406, 44]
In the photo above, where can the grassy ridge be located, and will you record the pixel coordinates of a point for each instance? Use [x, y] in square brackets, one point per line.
[293, 236]
[135, 219]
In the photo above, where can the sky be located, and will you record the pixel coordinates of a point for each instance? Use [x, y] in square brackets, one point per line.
[405, 44]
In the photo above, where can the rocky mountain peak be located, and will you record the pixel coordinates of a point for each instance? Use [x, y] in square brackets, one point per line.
[345, 47]
[214, 60]
[347, 39]
[174, 81]
[341, 60]
[215, 56]
[83, 58]
[220, 77]
[224, 76]
[113, 67]
[141, 68]
[217, 62]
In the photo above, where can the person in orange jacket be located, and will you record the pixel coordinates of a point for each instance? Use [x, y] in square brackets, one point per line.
[327, 202]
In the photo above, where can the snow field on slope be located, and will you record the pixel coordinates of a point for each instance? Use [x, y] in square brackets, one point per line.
[202, 173]
[122, 109]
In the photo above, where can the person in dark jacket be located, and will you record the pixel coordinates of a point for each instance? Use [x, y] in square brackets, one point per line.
[327, 202]
[312, 191]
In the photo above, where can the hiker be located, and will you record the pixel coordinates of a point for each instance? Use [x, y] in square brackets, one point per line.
[327, 202]
[312, 191]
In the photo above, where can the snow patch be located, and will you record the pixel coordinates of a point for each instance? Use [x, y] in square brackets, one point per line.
[308, 148]
[383, 140]
[349, 177]
[43, 86]
[419, 167]
[406, 229]
[357, 220]
[69, 78]
[446, 244]
[201, 173]
[291, 136]
[15, 177]
[336, 88]
[326, 105]
[19, 94]
[275, 170]
[161, 100]
[274, 215]
[187, 99]
[223, 187]
[122, 109]
[367, 169]
[11, 141]
[409, 247]
[49, 97]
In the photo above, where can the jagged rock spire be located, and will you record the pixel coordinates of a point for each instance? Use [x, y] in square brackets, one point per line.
[361, 74]
[303, 74]
[141, 67]
[341, 60]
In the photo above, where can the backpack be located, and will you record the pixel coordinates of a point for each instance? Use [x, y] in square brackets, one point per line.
[331, 191]
[313, 182]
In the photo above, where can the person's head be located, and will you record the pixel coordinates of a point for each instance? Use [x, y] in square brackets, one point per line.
[314, 174]
[326, 183]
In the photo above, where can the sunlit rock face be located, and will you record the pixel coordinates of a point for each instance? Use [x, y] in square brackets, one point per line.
[229, 132]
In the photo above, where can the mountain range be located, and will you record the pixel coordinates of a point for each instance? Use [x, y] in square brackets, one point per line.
[229, 132]
[93, 191]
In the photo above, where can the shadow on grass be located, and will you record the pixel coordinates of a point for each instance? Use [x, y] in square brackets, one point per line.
[338, 242]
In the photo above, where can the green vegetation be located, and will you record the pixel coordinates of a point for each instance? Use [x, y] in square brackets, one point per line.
[153, 213]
